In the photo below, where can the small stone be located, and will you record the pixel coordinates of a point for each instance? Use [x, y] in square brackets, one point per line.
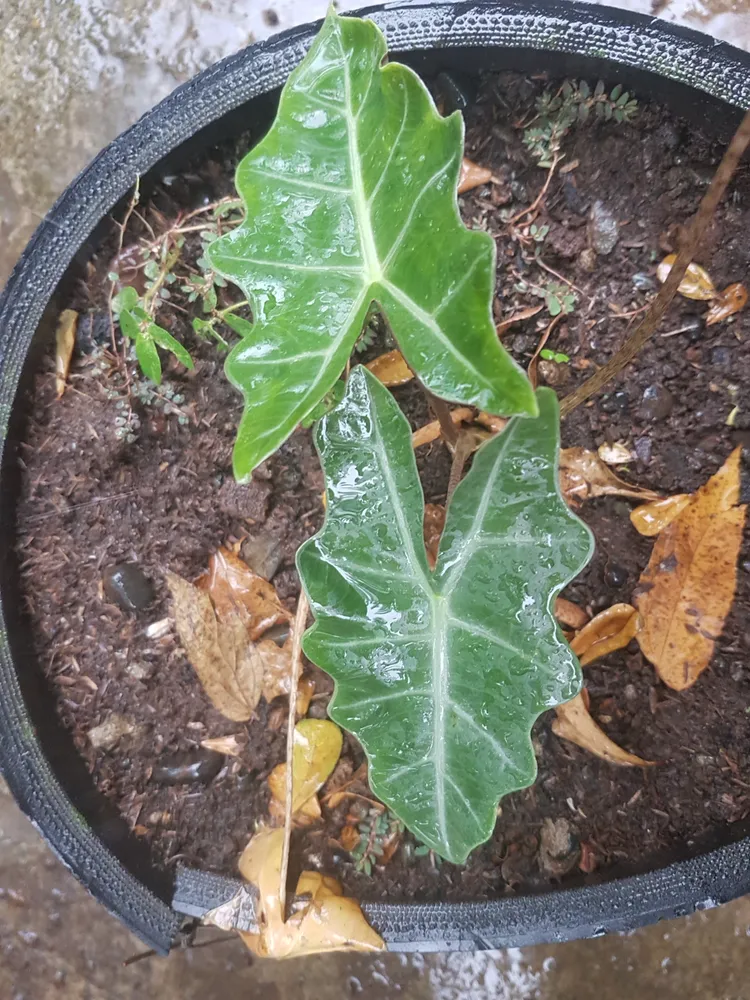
[524, 343]
[574, 200]
[190, 768]
[643, 282]
[126, 585]
[245, 501]
[630, 692]
[263, 554]
[615, 576]
[587, 260]
[139, 671]
[657, 403]
[602, 228]
[737, 671]
[553, 374]
[157, 630]
[721, 357]
[616, 402]
[271, 18]
[558, 850]
[642, 448]
[109, 733]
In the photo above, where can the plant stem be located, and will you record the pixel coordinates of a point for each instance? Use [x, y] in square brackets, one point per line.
[648, 325]
[460, 454]
[232, 308]
[442, 411]
[539, 198]
[300, 620]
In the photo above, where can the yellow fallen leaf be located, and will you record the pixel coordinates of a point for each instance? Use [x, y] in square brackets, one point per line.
[65, 338]
[651, 518]
[729, 302]
[687, 589]
[696, 284]
[583, 475]
[228, 665]
[611, 629]
[570, 614]
[391, 369]
[472, 175]
[434, 522]
[317, 748]
[233, 586]
[326, 921]
[574, 723]
[431, 432]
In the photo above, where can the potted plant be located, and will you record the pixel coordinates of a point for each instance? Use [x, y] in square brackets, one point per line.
[424, 675]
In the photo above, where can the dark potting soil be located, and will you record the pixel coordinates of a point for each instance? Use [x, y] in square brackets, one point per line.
[166, 501]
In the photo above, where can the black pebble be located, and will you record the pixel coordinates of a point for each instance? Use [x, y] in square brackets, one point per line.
[657, 403]
[721, 356]
[190, 768]
[126, 585]
[615, 576]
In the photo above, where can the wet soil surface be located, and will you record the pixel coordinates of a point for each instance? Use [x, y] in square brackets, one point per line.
[91, 501]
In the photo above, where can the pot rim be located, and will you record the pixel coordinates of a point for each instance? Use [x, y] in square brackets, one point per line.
[623, 39]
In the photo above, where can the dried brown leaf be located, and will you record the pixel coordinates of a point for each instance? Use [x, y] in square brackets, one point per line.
[350, 837]
[651, 518]
[434, 522]
[696, 284]
[228, 665]
[574, 723]
[234, 587]
[617, 453]
[570, 614]
[610, 630]
[729, 302]
[687, 589]
[327, 920]
[583, 475]
[391, 369]
[472, 176]
[431, 432]
[65, 338]
[518, 317]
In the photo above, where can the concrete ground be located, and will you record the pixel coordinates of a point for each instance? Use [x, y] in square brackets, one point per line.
[74, 74]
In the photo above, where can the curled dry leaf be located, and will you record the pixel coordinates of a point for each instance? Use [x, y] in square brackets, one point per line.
[472, 176]
[431, 432]
[229, 667]
[349, 837]
[324, 920]
[518, 317]
[651, 518]
[233, 586]
[696, 284]
[615, 454]
[65, 338]
[570, 614]
[729, 302]
[434, 522]
[574, 723]
[230, 745]
[687, 589]
[355, 786]
[610, 630]
[584, 475]
[391, 369]
[317, 747]
[277, 675]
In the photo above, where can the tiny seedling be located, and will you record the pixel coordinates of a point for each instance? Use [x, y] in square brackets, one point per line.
[548, 355]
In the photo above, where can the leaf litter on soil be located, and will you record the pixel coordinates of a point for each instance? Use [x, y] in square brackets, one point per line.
[317, 747]
[687, 589]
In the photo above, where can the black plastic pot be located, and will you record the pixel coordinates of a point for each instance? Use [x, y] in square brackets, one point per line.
[703, 79]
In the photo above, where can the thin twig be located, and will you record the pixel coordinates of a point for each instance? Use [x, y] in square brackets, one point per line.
[300, 620]
[561, 277]
[658, 307]
[460, 454]
[442, 411]
[531, 371]
[539, 198]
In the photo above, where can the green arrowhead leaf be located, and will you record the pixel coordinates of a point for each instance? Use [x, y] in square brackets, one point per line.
[441, 674]
[351, 198]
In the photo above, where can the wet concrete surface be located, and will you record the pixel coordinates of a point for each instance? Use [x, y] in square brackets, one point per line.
[74, 74]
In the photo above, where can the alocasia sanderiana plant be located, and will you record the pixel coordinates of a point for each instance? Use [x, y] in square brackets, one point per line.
[351, 205]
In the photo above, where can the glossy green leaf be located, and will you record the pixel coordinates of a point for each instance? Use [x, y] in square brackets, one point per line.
[148, 357]
[350, 199]
[441, 674]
